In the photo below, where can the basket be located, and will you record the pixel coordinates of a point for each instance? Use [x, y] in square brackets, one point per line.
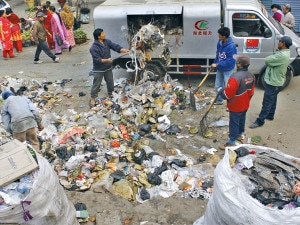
[80, 40]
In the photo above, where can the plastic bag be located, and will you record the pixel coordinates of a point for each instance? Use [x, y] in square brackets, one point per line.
[231, 203]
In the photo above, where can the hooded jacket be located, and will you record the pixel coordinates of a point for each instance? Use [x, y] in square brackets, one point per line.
[224, 55]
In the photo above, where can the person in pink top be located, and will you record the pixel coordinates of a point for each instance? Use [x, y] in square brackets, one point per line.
[278, 14]
[58, 28]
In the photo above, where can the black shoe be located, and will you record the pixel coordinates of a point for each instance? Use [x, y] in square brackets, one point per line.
[270, 118]
[70, 48]
[58, 53]
[254, 125]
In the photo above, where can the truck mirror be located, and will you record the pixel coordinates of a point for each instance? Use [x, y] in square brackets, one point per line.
[267, 32]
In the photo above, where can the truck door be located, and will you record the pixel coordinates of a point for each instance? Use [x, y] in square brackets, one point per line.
[252, 36]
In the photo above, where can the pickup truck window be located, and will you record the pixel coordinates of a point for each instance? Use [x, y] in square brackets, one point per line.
[247, 25]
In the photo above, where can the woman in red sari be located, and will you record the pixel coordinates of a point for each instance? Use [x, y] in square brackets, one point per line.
[47, 23]
[5, 36]
[15, 29]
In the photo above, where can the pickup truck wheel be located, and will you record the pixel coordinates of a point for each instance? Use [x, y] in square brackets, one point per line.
[153, 71]
[289, 75]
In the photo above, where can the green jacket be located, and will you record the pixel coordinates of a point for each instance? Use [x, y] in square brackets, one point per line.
[276, 67]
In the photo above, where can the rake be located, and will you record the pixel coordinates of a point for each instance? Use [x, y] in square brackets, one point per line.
[192, 93]
[204, 122]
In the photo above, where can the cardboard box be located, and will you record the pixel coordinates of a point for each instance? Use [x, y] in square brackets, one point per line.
[15, 162]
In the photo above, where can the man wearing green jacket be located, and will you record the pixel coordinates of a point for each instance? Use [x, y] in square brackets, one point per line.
[274, 77]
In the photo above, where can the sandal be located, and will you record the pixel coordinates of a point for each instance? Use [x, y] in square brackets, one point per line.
[92, 103]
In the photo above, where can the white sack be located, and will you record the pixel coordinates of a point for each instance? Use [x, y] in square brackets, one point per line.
[49, 203]
[230, 203]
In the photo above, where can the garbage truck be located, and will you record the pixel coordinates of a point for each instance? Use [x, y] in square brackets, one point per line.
[189, 29]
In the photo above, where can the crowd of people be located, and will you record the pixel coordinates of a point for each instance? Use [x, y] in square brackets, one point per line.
[56, 26]
[284, 15]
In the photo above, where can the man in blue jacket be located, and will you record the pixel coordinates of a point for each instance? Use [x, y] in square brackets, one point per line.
[102, 63]
[224, 61]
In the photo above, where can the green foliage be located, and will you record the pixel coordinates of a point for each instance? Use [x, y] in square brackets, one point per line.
[30, 9]
[79, 33]
[26, 36]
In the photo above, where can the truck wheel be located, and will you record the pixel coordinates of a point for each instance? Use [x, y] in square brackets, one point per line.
[289, 75]
[153, 71]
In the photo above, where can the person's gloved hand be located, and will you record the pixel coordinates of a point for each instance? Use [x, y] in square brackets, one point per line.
[41, 127]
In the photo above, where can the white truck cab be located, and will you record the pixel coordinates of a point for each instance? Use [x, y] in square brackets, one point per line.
[190, 30]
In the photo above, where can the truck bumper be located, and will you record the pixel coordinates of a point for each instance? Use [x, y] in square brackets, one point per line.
[296, 66]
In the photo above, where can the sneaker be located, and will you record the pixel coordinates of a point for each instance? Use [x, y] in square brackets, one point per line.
[270, 118]
[110, 95]
[254, 125]
[222, 147]
[38, 62]
[56, 59]
[58, 53]
[218, 103]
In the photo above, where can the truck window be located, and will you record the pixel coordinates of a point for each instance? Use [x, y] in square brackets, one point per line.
[247, 25]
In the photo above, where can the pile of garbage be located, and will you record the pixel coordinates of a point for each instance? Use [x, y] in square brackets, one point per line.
[274, 178]
[108, 147]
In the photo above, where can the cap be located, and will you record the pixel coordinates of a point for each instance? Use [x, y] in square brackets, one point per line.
[41, 14]
[6, 94]
[286, 40]
[243, 59]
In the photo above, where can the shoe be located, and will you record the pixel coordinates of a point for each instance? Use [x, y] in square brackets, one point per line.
[70, 48]
[59, 53]
[218, 103]
[254, 125]
[92, 103]
[241, 138]
[222, 147]
[110, 95]
[12, 56]
[56, 59]
[38, 62]
[270, 118]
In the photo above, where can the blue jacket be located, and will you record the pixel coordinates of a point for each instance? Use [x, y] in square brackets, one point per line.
[224, 55]
[102, 51]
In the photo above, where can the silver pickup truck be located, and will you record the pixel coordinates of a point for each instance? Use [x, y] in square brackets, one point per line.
[190, 31]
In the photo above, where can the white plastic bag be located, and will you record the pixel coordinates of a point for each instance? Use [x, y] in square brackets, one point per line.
[231, 204]
[48, 202]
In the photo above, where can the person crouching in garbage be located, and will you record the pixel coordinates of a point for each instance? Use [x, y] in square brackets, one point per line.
[20, 118]
[238, 92]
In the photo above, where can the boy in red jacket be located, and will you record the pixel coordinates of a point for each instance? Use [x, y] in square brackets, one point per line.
[238, 92]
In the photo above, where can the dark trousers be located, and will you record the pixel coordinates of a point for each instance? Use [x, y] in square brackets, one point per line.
[98, 76]
[269, 104]
[43, 46]
[236, 125]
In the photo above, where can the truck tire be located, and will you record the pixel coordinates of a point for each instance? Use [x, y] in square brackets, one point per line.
[152, 71]
[289, 75]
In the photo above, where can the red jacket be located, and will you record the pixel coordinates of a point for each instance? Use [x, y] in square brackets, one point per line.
[239, 90]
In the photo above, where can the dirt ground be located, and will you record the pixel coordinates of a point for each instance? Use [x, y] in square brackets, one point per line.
[110, 209]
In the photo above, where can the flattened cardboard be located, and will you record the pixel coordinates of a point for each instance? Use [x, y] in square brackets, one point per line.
[15, 162]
